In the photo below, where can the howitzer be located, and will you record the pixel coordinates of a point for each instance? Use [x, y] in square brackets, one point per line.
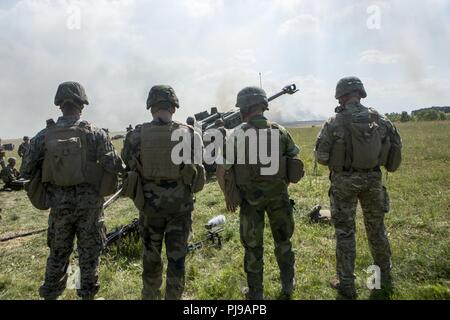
[232, 118]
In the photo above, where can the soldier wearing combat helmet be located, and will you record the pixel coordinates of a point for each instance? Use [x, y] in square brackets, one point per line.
[355, 143]
[76, 165]
[260, 194]
[167, 190]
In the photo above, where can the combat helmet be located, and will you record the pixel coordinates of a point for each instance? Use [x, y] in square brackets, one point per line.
[162, 96]
[26, 138]
[349, 84]
[12, 160]
[190, 121]
[251, 96]
[219, 122]
[71, 91]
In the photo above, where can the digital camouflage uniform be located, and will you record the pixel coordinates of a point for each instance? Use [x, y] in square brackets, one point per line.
[271, 197]
[348, 185]
[166, 217]
[75, 211]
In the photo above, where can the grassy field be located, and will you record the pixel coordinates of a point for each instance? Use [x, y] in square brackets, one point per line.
[418, 227]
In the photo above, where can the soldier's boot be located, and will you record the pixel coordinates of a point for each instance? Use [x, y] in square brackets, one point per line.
[151, 295]
[347, 291]
[255, 289]
[386, 290]
[287, 289]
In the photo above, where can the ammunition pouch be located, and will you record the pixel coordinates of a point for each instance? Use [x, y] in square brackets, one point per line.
[295, 169]
[231, 192]
[395, 158]
[103, 181]
[132, 188]
[336, 162]
[37, 192]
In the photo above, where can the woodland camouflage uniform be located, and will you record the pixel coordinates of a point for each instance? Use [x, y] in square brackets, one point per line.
[75, 210]
[272, 197]
[350, 184]
[167, 209]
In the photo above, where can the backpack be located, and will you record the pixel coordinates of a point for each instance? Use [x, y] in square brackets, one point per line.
[65, 155]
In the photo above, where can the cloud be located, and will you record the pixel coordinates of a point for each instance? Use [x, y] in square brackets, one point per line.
[209, 50]
[378, 57]
[202, 8]
[300, 25]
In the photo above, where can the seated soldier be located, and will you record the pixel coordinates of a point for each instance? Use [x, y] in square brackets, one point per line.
[9, 174]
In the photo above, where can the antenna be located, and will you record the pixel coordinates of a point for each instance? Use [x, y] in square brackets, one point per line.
[260, 80]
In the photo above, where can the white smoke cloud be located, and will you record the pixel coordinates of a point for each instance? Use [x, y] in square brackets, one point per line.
[209, 50]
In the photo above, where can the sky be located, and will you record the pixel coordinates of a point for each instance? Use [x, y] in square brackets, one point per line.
[208, 50]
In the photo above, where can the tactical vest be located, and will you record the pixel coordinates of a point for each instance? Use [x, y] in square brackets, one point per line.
[156, 150]
[246, 174]
[65, 161]
[360, 141]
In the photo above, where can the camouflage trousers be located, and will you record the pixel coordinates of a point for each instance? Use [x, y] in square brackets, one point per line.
[346, 190]
[252, 238]
[64, 224]
[174, 230]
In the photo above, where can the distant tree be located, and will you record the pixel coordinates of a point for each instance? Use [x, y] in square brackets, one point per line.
[430, 115]
[405, 117]
[393, 116]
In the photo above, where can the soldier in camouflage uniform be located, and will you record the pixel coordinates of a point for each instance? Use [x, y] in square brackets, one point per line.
[76, 204]
[24, 147]
[9, 173]
[351, 143]
[168, 194]
[260, 196]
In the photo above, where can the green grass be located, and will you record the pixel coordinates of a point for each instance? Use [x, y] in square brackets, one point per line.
[418, 227]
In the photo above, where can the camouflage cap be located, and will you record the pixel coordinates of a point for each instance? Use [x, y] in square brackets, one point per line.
[71, 91]
[349, 84]
[251, 96]
[162, 96]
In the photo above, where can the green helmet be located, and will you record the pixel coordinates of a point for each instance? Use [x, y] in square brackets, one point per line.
[71, 91]
[12, 160]
[162, 96]
[26, 138]
[251, 96]
[349, 84]
[190, 121]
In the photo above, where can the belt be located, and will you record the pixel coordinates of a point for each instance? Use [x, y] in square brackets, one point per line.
[376, 169]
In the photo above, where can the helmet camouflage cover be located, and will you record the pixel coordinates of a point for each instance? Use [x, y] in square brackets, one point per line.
[71, 91]
[251, 96]
[349, 84]
[162, 96]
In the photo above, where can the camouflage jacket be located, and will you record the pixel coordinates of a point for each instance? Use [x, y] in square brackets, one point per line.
[328, 134]
[23, 148]
[9, 174]
[164, 198]
[83, 196]
[267, 190]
